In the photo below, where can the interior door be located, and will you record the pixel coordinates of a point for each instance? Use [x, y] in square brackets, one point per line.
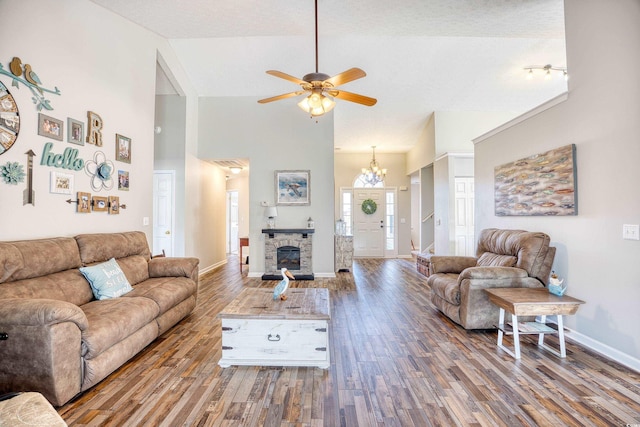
[163, 183]
[232, 222]
[464, 216]
[368, 229]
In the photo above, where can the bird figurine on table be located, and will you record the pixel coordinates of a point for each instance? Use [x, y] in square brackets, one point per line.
[281, 288]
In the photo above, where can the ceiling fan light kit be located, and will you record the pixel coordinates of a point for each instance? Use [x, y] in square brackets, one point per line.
[321, 88]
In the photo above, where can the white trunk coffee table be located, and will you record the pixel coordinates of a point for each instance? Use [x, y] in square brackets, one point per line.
[256, 330]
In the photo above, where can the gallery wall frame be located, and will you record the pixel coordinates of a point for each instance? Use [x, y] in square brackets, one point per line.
[293, 187]
[75, 131]
[50, 127]
[123, 148]
[543, 184]
[84, 202]
[61, 183]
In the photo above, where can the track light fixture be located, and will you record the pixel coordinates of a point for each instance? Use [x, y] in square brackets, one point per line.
[547, 70]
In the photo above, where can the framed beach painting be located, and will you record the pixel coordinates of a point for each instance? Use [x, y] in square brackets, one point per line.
[293, 188]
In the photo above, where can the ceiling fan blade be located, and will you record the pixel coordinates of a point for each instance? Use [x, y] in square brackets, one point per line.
[346, 76]
[283, 96]
[286, 76]
[353, 97]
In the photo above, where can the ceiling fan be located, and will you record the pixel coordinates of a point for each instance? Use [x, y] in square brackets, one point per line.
[321, 87]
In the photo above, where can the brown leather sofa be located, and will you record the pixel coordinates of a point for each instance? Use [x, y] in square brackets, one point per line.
[60, 339]
[504, 258]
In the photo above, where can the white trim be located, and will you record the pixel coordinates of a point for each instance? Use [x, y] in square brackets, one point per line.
[461, 154]
[525, 116]
[605, 350]
[319, 275]
[212, 267]
[600, 348]
[325, 275]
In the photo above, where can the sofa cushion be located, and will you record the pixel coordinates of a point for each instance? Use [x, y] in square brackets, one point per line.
[489, 259]
[112, 320]
[135, 267]
[103, 246]
[167, 292]
[106, 279]
[34, 258]
[445, 286]
[67, 285]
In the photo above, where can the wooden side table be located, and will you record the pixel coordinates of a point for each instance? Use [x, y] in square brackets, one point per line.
[531, 302]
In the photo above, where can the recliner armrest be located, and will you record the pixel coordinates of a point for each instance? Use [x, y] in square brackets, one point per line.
[451, 264]
[174, 267]
[496, 273]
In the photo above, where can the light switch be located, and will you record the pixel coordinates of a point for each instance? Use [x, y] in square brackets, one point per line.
[631, 232]
[145, 220]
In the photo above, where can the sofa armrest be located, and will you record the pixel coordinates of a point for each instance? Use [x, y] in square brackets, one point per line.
[451, 264]
[174, 267]
[40, 312]
[43, 352]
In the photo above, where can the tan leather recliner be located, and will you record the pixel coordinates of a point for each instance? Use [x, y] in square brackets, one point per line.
[504, 258]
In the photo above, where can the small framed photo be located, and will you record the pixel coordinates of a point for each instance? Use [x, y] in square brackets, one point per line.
[50, 127]
[293, 188]
[75, 131]
[84, 202]
[100, 204]
[114, 205]
[61, 183]
[123, 180]
[123, 148]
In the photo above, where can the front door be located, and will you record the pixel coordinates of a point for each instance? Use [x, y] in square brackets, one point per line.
[368, 228]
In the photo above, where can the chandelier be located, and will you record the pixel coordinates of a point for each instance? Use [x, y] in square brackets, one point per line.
[374, 173]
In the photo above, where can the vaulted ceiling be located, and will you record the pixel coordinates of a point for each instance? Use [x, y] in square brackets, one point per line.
[420, 56]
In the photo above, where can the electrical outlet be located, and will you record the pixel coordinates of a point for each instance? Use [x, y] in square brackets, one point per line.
[631, 231]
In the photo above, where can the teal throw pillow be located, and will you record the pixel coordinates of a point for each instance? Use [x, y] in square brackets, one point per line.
[107, 279]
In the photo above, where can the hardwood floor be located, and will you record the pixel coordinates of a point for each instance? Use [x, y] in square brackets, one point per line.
[395, 361]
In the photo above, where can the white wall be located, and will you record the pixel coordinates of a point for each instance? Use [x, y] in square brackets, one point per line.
[601, 118]
[349, 165]
[102, 63]
[275, 136]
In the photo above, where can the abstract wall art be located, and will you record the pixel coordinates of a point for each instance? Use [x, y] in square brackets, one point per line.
[542, 184]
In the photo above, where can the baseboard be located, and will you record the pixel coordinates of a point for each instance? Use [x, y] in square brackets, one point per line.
[319, 275]
[600, 348]
[212, 267]
[325, 275]
[605, 350]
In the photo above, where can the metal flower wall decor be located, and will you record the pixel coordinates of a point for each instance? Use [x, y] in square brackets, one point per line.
[101, 172]
[18, 70]
[12, 173]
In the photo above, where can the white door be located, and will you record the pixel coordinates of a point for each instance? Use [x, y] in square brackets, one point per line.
[163, 212]
[368, 229]
[232, 222]
[464, 217]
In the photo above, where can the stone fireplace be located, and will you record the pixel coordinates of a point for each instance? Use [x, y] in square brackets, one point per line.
[289, 248]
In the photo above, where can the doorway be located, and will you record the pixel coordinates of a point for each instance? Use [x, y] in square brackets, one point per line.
[232, 222]
[163, 212]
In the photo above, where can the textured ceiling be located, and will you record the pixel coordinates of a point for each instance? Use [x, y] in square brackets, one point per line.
[420, 55]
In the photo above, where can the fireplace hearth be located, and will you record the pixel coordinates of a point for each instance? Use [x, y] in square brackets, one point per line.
[289, 248]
